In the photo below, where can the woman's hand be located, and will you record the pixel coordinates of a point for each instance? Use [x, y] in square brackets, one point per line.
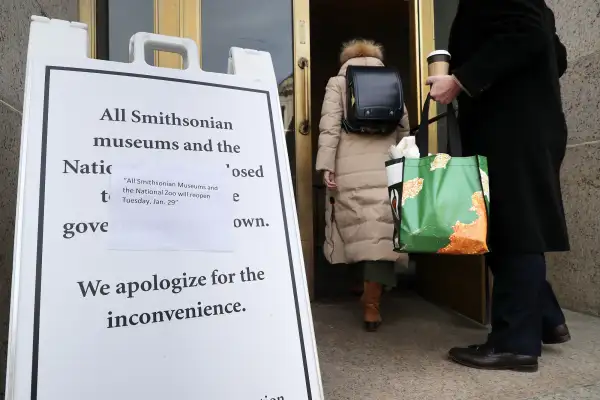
[329, 179]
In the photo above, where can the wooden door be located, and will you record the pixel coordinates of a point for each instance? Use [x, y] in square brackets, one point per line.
[460, 283]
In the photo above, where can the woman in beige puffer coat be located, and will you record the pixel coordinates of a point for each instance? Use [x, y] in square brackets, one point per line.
[359, 224]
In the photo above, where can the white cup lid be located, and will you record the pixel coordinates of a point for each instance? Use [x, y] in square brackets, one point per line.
[438, 52]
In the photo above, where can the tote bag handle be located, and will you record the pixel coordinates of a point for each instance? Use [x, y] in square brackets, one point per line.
[422, 135]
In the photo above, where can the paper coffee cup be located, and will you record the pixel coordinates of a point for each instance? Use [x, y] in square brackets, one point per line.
[439, 62]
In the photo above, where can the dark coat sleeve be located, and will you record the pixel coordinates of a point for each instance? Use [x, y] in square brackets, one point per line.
[515, 32]
[559, 47]
[561, 56]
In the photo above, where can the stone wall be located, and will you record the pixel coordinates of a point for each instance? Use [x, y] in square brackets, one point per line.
[14, 30]
[576, 275]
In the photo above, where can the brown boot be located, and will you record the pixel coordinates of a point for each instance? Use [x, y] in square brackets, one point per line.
[370, 299]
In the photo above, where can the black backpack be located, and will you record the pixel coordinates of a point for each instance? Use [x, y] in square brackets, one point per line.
[375, 101]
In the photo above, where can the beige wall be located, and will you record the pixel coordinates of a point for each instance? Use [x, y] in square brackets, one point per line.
[576, 275]
[14, 28]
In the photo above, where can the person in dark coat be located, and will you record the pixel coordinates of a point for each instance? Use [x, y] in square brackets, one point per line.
[506, 63]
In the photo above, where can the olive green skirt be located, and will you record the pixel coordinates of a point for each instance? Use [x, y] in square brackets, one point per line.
[382, 272]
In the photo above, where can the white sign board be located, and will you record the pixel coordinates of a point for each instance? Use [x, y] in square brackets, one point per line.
[157, 252]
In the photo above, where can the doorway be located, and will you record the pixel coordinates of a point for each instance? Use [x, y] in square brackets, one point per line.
[304, 38]
[386, 22]
[403, 29]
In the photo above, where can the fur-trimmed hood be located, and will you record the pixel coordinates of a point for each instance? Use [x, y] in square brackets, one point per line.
[361, 48]
[360, 52]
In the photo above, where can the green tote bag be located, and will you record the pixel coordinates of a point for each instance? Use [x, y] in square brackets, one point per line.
[440, 202]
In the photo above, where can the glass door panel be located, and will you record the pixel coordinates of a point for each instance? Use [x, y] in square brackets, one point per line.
[125, 18]
[259, 25]
[281, 28]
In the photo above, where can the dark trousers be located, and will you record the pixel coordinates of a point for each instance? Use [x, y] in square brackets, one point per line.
[523, 303]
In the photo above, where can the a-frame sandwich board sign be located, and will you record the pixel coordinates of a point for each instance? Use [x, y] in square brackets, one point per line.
[157, 250]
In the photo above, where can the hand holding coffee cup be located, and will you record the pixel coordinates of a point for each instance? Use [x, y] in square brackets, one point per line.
[439, 63]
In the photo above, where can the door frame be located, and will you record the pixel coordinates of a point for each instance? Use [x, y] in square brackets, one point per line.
[87, 13]
[179, 18]
[171, 17]
[422, 42]
[304, 130]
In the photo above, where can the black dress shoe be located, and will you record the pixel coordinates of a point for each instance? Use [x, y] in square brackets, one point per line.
[558, 335]
[485, 357]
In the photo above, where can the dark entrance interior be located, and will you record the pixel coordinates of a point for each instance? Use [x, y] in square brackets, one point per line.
[333, 23]
[457, 282]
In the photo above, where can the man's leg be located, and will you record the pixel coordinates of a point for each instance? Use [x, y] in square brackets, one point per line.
[515, 340]
[552, 313]
[518, 293]
[554, 328]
